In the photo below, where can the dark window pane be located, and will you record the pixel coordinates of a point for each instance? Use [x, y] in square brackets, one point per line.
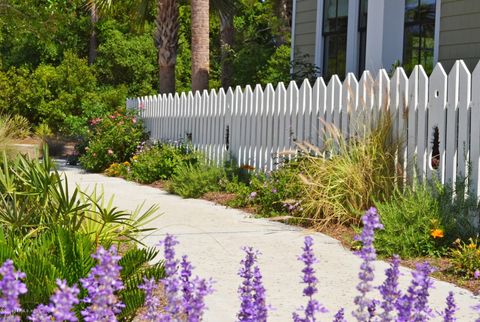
[419, 39]
[334, 35]
[362, 21]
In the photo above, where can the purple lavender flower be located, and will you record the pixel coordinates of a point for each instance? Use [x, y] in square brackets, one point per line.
[11, 287]
[191, 302]
[252, 293]
[61, 305]
[449, 312]
[40, 313]
[152, 303]
[371, 222]
[313, 306]
[101, 284]
[389, 290]
[340, 316]
[413, 306]
[171, 282]
[476, 274]
[194, 292]
[253, 195]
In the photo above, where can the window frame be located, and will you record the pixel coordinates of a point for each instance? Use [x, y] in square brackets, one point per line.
[336, 33]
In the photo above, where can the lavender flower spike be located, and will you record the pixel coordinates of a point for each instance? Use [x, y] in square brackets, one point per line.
[413, 306]
[152, 303]
[449, 312]
[171, 283]
[194, 292]
[371, 221]
[61, 305]
[340, 316]
[11, 287]
[101, 284]
[313, 306]
[389, 290]
[252, 294]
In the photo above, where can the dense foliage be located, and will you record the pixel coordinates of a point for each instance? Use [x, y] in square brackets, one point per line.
[50, 232]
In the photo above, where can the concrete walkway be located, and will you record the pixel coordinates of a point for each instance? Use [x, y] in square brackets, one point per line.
[212, 237]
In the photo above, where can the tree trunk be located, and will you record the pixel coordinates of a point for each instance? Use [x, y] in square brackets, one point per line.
[226, 43]
[283, 10]
[200, 44]
[166, 39]
[167, 79]
[92, 51]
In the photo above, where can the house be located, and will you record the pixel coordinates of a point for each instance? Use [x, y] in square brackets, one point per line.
[341, 36]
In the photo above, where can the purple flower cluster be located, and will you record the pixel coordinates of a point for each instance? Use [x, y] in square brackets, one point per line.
[11, 287]
[101, 284]
[413, 306]
[61, 305]
[185, 295]
[389, 290]
[313, 306]
[253, 307]
[449, 312]
[152, 303]
[371, 221]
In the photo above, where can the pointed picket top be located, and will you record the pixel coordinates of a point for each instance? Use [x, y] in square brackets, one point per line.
[280, 97]
[183, 95]
[221, 92]
[349, 103]
[365, 92]
[292, 85]
[475, 132]
[269, 94]
[190, 95]
[382, 90]
[334, 101]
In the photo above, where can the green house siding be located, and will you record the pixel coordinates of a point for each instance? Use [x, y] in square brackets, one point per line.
[459, 32]
[305, 27]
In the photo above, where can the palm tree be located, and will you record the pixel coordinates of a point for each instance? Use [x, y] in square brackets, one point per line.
[92, 50]
[200, 44]
[166, 40]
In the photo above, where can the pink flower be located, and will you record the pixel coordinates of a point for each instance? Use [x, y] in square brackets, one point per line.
[94, 154]
[110, 151]
[112, 117]
[134, 120]
[476, 274]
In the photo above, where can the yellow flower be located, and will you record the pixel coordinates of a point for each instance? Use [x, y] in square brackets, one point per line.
[135, 157]
[126, 163]
[437, 233]
[472, 245]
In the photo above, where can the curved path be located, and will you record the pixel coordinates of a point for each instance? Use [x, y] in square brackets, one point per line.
[212, 236]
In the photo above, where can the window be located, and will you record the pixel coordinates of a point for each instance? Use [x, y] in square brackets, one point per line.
[419, 34]
[362, 35]
[335, 20]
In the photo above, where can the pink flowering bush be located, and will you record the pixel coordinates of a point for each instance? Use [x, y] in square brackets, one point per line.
[184, 294]
[111, 139]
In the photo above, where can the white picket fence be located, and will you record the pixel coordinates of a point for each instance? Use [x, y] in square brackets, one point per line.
[255, 125]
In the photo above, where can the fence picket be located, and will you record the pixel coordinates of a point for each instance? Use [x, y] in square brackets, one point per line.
[437, 96]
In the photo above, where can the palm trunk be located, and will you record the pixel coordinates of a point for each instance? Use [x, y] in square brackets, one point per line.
[166, 39]
[226, 42]
[200, 44]
[92, 51]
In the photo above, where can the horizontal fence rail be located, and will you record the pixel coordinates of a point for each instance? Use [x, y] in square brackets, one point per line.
[255, 125]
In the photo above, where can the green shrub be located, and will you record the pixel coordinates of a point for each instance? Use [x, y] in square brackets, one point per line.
[62, 254]
[345, 177]
[426, 219]
[411, 219]
[194, 180]
[111, 139]
[160, 162]
[465, 258]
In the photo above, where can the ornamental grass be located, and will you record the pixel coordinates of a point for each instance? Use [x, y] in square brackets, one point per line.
[349, 173]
